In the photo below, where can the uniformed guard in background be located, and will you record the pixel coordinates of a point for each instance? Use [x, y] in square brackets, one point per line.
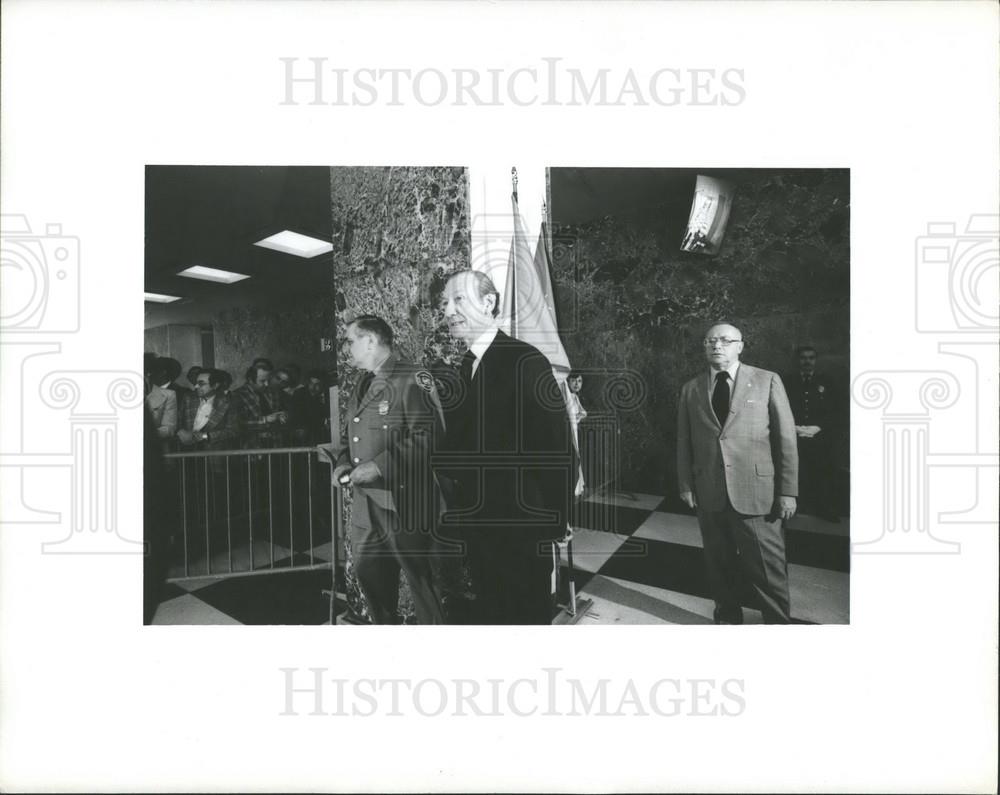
[392, 419]
[812, 397]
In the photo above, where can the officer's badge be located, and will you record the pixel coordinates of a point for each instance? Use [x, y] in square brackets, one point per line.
[425, 381]
[383, 407]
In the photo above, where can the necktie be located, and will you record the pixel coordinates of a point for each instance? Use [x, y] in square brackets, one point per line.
[720, 397]
[366, 381]
[465, 370]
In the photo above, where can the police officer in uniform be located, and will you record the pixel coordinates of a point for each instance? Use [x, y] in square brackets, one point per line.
[392, 419]
[810, 395]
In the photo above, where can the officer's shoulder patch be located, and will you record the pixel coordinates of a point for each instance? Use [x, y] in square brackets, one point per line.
[424, 380]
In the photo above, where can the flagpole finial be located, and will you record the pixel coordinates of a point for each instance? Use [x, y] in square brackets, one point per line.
[513, 179]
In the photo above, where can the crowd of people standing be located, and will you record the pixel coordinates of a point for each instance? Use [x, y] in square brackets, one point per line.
[273, 407]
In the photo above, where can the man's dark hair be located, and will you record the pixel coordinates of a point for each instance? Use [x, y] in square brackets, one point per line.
[174, 367]
[319, 375]
[376, 326]
[216, 378]
[259, 364]
[192, 373]
[805, 349]
[159, 372]
[225, 379]
[294, 374]
[574, 374]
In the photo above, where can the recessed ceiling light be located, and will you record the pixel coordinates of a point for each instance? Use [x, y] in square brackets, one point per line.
[213, 274]
[161, 299]
[293, 243]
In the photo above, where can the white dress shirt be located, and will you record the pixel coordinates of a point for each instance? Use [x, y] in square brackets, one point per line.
[479, 347]
[204, 412]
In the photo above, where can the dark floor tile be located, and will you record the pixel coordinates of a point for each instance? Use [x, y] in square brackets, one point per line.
[820, 550]
[292, 598]
[169, 591]
[673, 566]
[674, 505]
[608, 518]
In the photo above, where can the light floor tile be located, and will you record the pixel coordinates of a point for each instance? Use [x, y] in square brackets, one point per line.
[323, 552]
[618, 601]
[241, 560]
[645, 502]
[673, 528]
[819, 595]
[814, 524]
[191, 584]
[189, 609]
[592, 548]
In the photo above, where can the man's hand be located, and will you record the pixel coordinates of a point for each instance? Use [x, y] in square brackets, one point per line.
[786, 507]
[339, 472]
[368, 472]
[185, 436]
[807, 431]
[687, 497]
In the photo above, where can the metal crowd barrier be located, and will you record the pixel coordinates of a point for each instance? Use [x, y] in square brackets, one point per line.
[257, 511]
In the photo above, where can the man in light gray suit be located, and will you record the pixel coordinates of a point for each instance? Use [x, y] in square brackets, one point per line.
[737, 464]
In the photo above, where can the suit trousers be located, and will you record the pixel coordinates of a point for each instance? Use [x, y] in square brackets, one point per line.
[511, 572]
[752, 547]
[380, 551]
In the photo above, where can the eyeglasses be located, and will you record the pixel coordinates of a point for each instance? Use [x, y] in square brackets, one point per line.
[725, 342]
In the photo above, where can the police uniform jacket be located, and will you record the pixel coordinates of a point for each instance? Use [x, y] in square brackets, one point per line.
[811, 401]
[394, 424]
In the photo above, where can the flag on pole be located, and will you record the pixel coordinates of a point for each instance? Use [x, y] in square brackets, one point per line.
[528, 302]
[529, 310]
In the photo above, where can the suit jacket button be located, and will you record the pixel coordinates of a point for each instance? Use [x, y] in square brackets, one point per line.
[357, 460]
[357, 419]
[356, 439]
[385, 427]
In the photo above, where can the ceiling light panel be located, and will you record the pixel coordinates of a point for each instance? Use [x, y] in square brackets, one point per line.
[213, 274]
[290, 242]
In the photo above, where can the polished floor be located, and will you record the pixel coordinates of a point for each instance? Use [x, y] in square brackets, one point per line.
[636, 558]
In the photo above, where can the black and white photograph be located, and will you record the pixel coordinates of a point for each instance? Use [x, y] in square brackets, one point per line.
[272, 293]
[499, 397]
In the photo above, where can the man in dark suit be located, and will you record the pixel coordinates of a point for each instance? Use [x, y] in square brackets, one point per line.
[392, 421]
[509, 455]
[737, 464]
[812, 397]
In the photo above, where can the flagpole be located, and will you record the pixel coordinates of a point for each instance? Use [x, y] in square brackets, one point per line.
[547, 226]
[513, 265]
